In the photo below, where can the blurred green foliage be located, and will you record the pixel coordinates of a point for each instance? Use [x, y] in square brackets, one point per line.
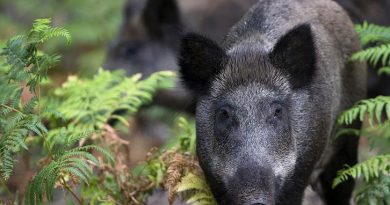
[92, 24]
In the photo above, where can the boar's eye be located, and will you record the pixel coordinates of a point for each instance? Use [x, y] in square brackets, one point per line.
[224, 119]
[223, 115]
[278, 112]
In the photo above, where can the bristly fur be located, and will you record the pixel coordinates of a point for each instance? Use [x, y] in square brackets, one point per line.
[267, 100]
[209, 58]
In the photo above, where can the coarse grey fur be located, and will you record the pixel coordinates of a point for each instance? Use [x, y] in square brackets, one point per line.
[257, 164]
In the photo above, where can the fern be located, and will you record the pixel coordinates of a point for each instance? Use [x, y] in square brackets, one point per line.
[86, 112]
[369, 169]
[26, 63]
[71, 126]
[375, 171]
[185, 132]
[370, 33]
[198, 190]
[85, 105]
[76, 162]
[373, 107]
[379, 55]
[42, 31]
[384, 70]
[23, 65]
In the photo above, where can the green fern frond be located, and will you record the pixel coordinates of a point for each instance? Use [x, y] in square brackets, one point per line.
[369, 169]
[23, 64]
[374, 55]
[30, 105]
[42, 31]
[42, 185]
[101, 150]
[74, 162]
[384, 70]
[84, 104]
[21, 54]
[187, 138]
[57, 32]
[13, 138]
[374, 107]
[370, 33]
[200, 193]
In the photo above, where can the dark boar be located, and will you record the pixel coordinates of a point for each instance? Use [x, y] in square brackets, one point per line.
[148, 42]
[267, 100]
[149, 37]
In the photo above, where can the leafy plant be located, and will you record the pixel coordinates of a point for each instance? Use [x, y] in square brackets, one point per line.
[183, 175]
[74, 163]
[375, 170]
[71, 123]
[82, 102]
[174, 169]
[373, 107]
[200, 191]
[379, 54]
[24, 65]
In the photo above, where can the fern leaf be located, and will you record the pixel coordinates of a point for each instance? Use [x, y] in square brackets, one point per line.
[384, 70]
[80, 154]
[200, 192]
[374, 107]
[374, 55]
[370, 33]
[42, 185]
[369, 169]
[103, 151]
[77, 173]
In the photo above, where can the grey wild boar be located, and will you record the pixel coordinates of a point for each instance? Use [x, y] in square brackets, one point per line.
[148, 39]
[267, 100]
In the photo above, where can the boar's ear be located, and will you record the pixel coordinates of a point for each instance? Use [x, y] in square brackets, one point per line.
[200, 60]
[161, 17]
[295, 54]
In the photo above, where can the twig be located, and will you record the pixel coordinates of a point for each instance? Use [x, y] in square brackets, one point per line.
[71, 191]
[11, 108]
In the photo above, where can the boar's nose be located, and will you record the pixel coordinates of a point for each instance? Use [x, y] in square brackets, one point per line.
[259, 202]
[252, 184]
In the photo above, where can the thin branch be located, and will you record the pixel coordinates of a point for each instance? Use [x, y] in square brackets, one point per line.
[11, 108]
[71, 191]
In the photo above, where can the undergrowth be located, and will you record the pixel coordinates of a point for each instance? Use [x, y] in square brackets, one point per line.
[376, 170]
[66, 132]
[81, 153]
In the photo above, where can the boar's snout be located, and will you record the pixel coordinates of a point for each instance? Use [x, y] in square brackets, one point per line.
[252, 185]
